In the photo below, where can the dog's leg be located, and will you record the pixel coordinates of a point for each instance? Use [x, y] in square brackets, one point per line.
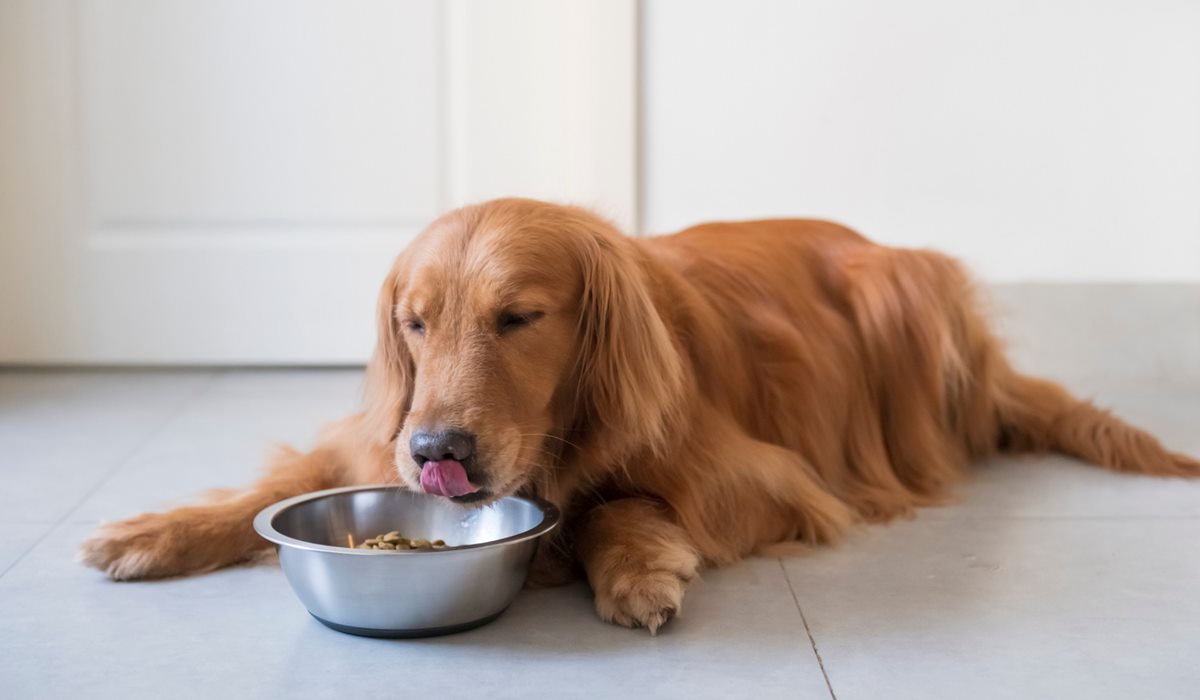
[638, 561]
[201, 538]
[640, 553]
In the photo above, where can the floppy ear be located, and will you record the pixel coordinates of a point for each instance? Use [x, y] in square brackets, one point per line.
[390, 371]
[631, 372]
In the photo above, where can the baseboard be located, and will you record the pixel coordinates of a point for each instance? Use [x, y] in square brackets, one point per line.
[1072, 330]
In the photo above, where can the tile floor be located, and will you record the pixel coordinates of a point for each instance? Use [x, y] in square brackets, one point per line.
[1049, 579]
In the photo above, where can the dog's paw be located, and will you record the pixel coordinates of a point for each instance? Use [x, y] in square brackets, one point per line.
[646, 599]
[154, 545]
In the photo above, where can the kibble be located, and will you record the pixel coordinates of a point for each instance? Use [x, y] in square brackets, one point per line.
[395, 541]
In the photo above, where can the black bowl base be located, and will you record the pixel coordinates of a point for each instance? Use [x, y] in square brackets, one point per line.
[407, 634]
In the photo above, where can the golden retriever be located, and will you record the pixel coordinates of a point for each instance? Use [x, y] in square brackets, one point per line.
[685, 399]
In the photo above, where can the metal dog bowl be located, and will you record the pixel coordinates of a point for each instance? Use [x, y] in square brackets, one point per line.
[404, 593]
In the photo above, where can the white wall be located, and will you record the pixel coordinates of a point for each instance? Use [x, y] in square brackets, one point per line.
[1038, 139]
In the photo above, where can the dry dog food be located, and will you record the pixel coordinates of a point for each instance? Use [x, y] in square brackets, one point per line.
[394, 540]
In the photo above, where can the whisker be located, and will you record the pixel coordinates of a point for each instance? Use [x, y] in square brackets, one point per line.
[394, 479]
[552, 437]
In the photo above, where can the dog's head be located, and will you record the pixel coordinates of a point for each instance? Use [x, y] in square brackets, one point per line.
[508, 331]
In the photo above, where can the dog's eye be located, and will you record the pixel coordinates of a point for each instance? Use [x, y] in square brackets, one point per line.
[509, 321]
[416, 326]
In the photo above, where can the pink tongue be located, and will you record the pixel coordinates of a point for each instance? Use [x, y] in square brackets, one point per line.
[446, 477]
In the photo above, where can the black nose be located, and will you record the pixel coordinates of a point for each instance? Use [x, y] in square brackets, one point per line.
[433, 445]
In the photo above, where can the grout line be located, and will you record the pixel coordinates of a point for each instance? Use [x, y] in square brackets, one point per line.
[807, 630]
[173, 413]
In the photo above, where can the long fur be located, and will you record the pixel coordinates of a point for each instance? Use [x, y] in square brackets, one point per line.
[730, 386]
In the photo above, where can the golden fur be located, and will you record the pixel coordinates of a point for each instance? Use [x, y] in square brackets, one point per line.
[684, 399]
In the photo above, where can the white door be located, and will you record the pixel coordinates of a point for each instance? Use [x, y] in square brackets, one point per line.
[227, 181]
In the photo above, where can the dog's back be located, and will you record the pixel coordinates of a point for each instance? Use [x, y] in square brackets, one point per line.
[875, 363]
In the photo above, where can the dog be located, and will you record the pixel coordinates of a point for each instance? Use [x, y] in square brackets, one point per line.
[685, 400]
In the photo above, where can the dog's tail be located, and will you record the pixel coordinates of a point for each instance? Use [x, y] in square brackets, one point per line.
[1037, 415]
[940, 371]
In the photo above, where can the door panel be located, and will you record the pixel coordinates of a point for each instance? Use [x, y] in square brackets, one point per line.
[259, 113]
[228, 181]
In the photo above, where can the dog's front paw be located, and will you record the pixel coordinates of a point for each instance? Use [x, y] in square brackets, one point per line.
[154, 545]
[646, 598]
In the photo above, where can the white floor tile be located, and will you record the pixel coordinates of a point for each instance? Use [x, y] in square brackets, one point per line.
[1052, 486]
[88, 400]
[1049, 577]
[344, 385]
[62, 433]
[16, 538]
[221, 439]
[241, 631]
[1004, 608]
[1114, 329]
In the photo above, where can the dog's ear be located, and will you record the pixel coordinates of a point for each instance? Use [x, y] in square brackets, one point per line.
[390, 372]
[631, 373]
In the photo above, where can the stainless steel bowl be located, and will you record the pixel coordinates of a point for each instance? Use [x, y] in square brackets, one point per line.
[404, 593]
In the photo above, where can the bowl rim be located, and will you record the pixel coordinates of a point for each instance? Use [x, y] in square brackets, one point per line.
[264, 524]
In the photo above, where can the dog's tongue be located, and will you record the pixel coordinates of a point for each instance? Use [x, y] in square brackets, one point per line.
[446, 477]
